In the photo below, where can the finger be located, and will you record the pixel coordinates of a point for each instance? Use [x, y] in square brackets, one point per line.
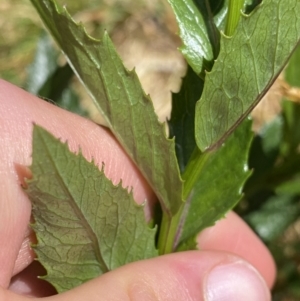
[18, 112]
[230, 234]
[191, 276]
[233, 235]
[29, 283]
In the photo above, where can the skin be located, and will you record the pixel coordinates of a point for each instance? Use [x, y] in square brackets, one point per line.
[179, 276]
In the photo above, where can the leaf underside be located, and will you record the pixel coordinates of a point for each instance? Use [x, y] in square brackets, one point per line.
[247, 65]
[120, 98]
[220, 186]
[85, 225]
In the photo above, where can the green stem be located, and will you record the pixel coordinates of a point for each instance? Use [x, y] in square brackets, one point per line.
[168, 230]
[233, 16]
[193, 170]
[170, 225]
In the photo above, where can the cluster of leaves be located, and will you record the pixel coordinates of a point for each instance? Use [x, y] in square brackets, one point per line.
[198, 172]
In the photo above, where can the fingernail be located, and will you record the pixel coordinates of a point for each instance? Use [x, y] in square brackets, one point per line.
[235, 282]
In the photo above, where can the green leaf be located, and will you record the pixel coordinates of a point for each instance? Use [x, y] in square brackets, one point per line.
[85, 225]
[247, 65]
[182, 124]
[43, 66]
[118, 95]
[197, 48]
[57, 83]
[291, 187]
[220, 184]
[198, 23]
[207, 9]
[219, 10]
[275, 216]
[47, 79]
[263, 156]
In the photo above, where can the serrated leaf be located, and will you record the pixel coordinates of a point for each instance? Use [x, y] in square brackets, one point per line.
[118, 95]
[247, 65]
[220, 185]
[182, 124]
[85, 225]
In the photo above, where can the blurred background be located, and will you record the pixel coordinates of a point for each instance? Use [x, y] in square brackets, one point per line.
[145, 35]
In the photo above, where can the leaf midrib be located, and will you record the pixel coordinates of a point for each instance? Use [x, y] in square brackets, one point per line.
[89, 230]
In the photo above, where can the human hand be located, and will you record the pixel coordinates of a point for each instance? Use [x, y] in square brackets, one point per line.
[232, 264]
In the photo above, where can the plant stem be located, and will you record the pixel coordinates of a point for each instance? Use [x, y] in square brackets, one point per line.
[193, 170]
[168, 232]
[233, 16]
[170, 225]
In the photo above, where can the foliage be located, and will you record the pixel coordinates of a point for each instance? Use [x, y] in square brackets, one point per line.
[85, 225]
[272, 193]
[199, 171]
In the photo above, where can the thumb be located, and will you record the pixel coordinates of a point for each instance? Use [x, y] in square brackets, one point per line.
[191, 276]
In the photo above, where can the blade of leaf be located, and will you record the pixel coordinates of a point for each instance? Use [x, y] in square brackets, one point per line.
[219, 10]
[247, 65]
[182, 124]
[196, 48]
[219, 188]
[197, 31]
[55, 84]
[85, 225]
[119, 96]
[207, 9]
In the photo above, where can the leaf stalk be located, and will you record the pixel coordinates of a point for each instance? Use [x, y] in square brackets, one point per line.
[193, 170]
[233, 16]
[168, 231]
[170, 224]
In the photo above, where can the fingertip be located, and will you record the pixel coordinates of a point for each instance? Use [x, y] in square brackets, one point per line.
[233, 235]
[29, 282]
[26, 254]
[201, 276]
